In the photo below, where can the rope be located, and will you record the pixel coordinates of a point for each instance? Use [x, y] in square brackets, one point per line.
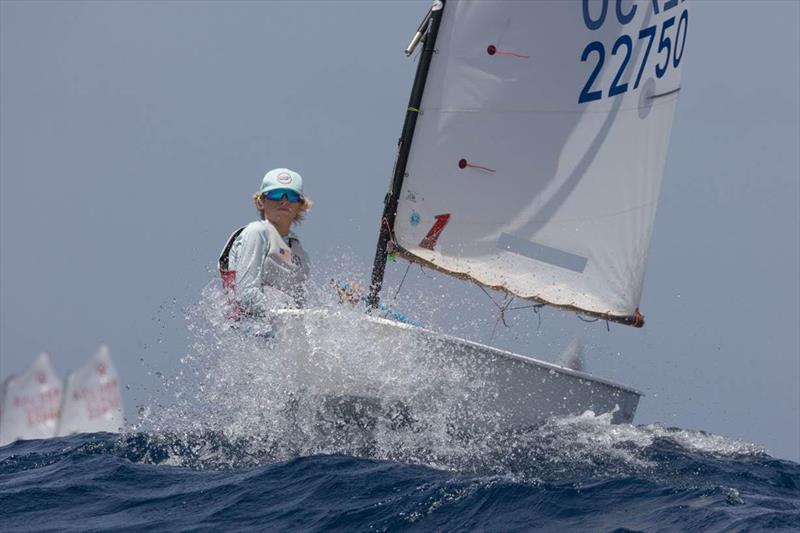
[488, 295]
[539, 316]
[408, 267]
[389, 230]
[535, 306]
[422, 271]
[501, 315]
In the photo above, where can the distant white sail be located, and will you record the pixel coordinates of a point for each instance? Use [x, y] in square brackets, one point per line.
[92, 401]
[3, 396]
[31, 403]
[538, 153]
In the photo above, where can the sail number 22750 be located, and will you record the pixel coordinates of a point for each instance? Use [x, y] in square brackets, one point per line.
[668, 46]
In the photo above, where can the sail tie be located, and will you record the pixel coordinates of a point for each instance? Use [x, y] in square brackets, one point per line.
[506, 306]
[492, 50]
[463, 163]
[638, 318]
[501, 315]
[536, 308]
[391, 245]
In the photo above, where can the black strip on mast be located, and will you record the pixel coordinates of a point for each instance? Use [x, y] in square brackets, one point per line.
[403, 149]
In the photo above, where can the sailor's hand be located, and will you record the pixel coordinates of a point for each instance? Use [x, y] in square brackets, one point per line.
[348, 291]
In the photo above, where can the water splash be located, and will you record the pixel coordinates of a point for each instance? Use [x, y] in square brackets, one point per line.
[241, 400]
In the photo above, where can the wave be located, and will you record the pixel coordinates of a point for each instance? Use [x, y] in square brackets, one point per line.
[576, 473]
[241, 445]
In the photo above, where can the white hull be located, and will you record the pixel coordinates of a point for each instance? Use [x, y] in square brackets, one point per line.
[469, 385]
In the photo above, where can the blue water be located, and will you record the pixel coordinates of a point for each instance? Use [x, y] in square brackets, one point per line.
[576, 474]
[236, 441]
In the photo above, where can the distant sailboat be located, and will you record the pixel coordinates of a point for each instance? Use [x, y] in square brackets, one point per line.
[31, 403]
[92, 401]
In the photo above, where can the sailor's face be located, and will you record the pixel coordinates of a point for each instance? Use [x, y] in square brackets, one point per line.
[281, 212]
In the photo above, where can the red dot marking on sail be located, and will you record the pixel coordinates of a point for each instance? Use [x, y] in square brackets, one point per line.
[492, 50]
[463, 163]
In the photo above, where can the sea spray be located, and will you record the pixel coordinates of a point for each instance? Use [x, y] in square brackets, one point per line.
[282, 396]
[245, 400]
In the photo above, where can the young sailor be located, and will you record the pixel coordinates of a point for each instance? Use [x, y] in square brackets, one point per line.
[263, 266]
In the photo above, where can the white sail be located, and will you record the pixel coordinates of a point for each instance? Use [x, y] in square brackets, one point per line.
[3, 396]
[92, 401]
[31, 403]
[538, 153]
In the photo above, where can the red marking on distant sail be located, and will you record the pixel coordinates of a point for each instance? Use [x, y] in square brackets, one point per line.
[433, 235]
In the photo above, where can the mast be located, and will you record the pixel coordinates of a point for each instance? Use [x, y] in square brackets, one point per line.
[433, 18]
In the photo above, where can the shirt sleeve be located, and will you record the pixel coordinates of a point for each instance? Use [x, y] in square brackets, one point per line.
[252, 249]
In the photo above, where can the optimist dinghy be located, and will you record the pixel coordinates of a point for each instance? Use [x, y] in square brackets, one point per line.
[30, 403]
[530, 162]
[92, 401]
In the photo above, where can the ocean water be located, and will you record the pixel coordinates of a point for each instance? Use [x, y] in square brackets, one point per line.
[237, 439]
[578, 473]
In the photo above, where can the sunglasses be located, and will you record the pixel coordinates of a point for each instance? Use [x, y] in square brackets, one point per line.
[278, 194]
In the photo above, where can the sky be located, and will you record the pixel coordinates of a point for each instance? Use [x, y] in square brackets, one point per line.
[132, 135]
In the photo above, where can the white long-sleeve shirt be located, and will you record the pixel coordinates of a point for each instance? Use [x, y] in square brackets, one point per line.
[271, 271]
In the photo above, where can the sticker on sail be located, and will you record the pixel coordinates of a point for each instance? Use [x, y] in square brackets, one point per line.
[411, 196]
[436, 230]
[415, 218]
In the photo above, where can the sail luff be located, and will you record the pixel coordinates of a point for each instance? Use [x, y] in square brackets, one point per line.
[403, 149]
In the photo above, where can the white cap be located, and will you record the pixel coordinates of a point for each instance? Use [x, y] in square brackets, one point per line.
[282, 178]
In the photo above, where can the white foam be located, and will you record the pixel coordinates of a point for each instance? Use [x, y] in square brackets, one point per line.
[245, 389]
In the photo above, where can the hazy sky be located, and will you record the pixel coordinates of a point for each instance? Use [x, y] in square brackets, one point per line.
[132, 135]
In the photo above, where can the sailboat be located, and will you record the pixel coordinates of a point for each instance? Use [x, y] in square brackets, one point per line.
[92, 401]
[34, 405]
[30, 403]
[530, 162]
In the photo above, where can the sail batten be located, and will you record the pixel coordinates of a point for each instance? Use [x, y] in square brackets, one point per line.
[537, 159]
